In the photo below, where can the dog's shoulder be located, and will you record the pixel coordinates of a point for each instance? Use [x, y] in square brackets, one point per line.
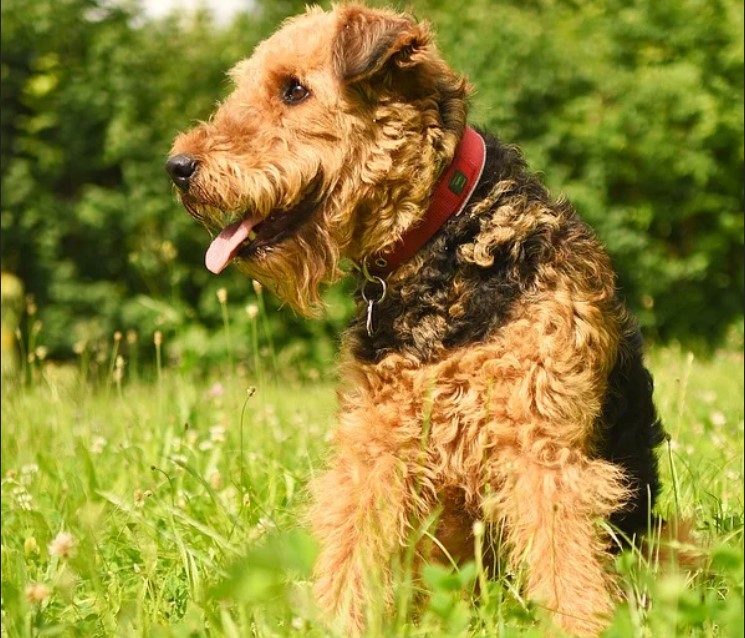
[466, 282]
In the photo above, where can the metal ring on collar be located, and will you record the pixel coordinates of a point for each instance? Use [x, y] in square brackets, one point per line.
[383, 289]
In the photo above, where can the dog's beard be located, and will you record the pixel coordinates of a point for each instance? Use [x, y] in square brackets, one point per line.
[295, 251]
[295, 269]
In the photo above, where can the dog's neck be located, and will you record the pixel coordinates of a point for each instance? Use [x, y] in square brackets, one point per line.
[450, 196]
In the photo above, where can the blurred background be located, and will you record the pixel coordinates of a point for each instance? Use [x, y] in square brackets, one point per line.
[631, 108]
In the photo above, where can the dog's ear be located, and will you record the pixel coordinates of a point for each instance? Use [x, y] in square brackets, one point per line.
[369, 40]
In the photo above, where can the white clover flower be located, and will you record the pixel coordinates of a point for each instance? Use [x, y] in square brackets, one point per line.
[27, 473]
[23, 498]
[217, 433]
[98, 444]
[63, 545]
[37, 592]
[24, 502]
[217, 390]
[717, 418]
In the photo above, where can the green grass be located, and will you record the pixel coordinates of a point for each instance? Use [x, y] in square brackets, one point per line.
[185, 503]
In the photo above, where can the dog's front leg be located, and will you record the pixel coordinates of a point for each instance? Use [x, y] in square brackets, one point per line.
[360, 518]
[550, 506]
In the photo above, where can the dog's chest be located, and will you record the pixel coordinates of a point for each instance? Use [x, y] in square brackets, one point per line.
[446, 305]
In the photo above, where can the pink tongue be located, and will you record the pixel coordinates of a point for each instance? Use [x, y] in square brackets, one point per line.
[226, 244]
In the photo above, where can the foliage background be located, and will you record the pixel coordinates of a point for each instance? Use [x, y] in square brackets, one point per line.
[633, 109]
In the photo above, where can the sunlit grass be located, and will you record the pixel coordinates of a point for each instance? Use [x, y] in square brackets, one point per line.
[174, 507]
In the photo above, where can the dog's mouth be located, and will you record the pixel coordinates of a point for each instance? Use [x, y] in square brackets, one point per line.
[253, 235]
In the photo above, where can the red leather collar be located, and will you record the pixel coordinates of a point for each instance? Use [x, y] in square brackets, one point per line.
[449, 197]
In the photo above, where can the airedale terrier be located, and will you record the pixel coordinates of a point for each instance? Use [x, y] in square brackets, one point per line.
[491, 372]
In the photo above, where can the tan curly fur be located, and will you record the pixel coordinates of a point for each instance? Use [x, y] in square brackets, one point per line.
[500, 425]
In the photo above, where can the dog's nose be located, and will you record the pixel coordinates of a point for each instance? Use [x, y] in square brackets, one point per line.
[181, 168]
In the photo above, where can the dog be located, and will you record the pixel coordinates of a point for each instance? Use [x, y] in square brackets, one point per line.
[491, 372]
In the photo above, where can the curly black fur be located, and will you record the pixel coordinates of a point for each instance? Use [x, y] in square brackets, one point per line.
[629, 432]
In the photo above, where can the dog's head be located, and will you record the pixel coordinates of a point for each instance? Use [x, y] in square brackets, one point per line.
[328, 146]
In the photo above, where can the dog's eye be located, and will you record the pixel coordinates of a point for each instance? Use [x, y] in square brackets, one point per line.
[294, 92]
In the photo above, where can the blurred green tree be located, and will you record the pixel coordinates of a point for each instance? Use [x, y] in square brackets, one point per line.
[633, 109]
[92, 96]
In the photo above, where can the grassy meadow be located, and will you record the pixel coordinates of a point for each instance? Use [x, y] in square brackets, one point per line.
[170, 504]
